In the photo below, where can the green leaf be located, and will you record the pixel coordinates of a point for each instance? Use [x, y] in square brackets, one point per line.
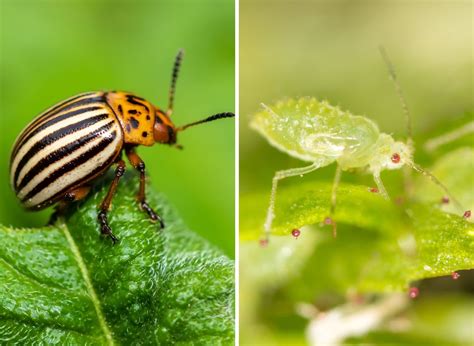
[67, 285]
[380, 246]
[308, 203]
[454, 169]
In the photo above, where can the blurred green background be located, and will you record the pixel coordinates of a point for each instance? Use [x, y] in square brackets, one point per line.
[329, 49]
[51, 50]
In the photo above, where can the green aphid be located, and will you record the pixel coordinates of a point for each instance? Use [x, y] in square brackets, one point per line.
[316, 132]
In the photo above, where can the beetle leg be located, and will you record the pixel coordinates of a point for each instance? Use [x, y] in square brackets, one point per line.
[105, 205]
[139, 165]
[73, 195]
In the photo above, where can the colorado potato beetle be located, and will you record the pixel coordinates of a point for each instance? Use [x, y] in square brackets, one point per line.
[57, 157]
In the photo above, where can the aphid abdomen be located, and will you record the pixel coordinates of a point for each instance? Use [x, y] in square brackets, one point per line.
[361, 135]
[292, 126]
[311, 130]
[66, 147]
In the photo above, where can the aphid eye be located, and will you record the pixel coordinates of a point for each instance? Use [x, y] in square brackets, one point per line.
[396, 158]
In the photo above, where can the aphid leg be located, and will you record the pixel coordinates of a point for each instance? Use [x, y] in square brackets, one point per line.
[105, 205]
[71, 196]
[337, 179]
[139, 165]
[278, 176]
[380, 185]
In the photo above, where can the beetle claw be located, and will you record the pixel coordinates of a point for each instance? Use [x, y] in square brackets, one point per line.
[114, 239]
[105, 229]
[151, 213]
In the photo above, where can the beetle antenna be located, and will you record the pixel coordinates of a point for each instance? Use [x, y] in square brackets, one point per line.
[174, 77]
[211, 118]
[435, 180]
[393, 77]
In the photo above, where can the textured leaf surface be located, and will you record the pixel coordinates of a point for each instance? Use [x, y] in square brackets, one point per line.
[379, 247]
[65, 284]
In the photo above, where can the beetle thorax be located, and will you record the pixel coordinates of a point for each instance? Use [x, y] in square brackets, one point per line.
[136, 116]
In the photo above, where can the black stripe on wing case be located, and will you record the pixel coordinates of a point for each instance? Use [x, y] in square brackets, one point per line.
[54, 136]
[53, 111]
[56, 120]
[97, 171]
[59, 154]
[71, 165]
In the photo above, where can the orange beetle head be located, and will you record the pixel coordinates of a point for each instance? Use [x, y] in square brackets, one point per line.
[164, 131]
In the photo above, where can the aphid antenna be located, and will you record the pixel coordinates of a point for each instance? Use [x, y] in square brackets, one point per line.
[409, 128]
[393, 77]
[174, 78]
[435, 180]
[408, 119]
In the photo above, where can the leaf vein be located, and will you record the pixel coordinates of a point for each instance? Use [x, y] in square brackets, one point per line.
[90, 287]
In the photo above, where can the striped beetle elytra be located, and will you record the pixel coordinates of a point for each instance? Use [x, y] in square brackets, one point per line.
[56, 158]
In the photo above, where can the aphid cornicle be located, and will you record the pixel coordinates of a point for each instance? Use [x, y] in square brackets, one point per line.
[317, 132]
[62, 151]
